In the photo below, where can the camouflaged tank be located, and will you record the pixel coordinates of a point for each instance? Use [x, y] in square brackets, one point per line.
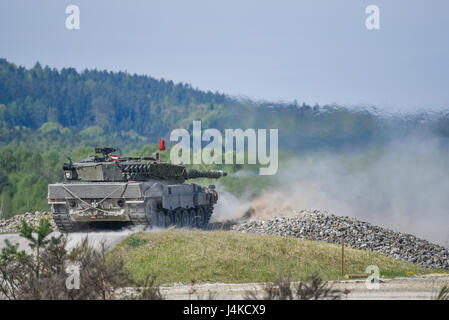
[142, 191]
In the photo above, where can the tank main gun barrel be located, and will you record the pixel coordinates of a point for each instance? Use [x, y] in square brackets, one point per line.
[211, 174]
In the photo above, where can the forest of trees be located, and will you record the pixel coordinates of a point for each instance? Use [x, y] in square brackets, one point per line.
[43, 108]
[47, 114]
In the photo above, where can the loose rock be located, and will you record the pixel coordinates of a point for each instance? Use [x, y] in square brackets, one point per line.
[13, 225]
[322, 226]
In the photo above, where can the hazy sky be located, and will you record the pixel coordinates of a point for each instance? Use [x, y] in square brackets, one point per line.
[315, 51]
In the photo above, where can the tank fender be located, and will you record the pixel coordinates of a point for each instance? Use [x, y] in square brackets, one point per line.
[184, 196]
[153, 190]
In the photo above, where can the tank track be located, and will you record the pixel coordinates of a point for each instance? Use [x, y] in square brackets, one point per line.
[139, 219]
[63, 221]
[197, 217]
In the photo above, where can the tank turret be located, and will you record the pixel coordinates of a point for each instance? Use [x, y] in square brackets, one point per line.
[114, 169]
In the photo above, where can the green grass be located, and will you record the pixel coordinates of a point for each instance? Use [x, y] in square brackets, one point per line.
[135, 242]
[231, 257]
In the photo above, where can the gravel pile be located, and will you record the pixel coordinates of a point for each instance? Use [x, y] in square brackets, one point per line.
[13, 225]
[316, 225]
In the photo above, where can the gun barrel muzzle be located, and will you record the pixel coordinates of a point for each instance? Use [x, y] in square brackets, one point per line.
[211, 174]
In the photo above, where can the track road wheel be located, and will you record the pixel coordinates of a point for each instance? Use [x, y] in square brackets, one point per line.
[178, 218]
[164, 219]
[170, 219]
[199, 217]
[185, 218]
[193, 218]
[206, 216]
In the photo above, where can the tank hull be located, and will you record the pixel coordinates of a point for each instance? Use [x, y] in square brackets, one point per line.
[154, 203]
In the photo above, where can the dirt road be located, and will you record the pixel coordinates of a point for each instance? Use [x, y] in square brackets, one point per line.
[424, 288]
[110, 239]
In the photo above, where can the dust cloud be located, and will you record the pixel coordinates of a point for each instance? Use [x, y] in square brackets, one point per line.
[107, 238]
[403, 185]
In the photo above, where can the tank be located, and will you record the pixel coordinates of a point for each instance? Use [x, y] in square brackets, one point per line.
[105, 188]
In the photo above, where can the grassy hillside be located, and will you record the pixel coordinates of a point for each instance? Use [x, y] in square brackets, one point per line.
[230, 257]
